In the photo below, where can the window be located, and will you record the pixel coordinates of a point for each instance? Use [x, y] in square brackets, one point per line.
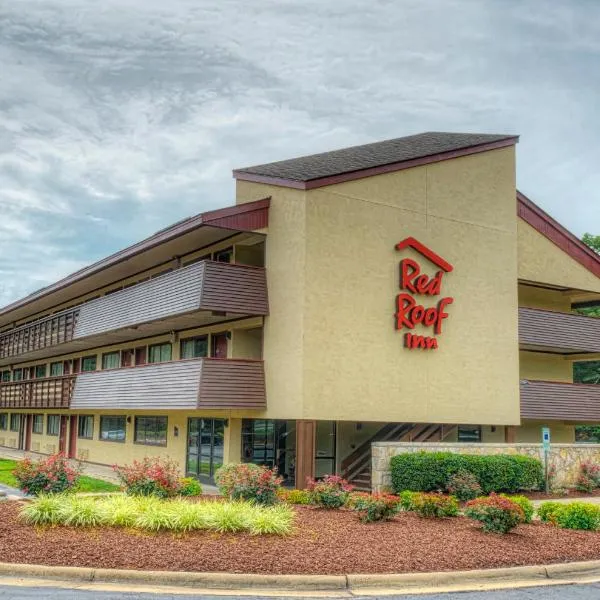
[53, 426]
[224, 255]
[17, 374]
[15, 422]
[85, 427]
[469, 433]
[38, 424]
[112, 429]
[88, 363]
[40, 371]
[159, 353]
[3, 421]
[57, 369]
[5, 375]
[151, 431]
[111, 360]
[194, 347]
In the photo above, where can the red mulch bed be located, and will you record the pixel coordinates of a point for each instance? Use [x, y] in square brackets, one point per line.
[324, 542]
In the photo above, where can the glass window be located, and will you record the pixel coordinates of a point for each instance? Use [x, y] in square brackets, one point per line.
[15, 422]
[40, 371]
[5, 375]
[159, 353]
[224, 255]
[194, 347]
[38, 424]
[112, 429]
[53, 426]
[151, 430]
[3, 421]
[88, 363]
[469, 433]
[85, 427]
[17, 374]
[57, 369]
[111, 360]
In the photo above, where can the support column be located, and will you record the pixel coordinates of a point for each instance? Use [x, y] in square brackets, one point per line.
[510, 434]
[233, 441]
[305, 452]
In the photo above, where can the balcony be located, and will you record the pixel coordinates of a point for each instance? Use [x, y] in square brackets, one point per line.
[559, 333]
[51, 392]
[185, 384]
[194, 296]
[551, 401]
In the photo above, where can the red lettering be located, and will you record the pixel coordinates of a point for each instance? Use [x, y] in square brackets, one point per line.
[414, 281]
[413, 342]
[409, 313]
[441, 315]
[404, 305]
[409, 269]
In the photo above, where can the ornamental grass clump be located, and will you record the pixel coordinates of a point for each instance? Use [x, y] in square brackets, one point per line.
[434, 505]
[249, 482]
[45, 510]
[52, 475]
[498, 514]
[151, 476]
[375, 507]
[330, 492]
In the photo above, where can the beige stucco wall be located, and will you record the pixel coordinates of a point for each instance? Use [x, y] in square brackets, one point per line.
[545, 299]
[546, 367]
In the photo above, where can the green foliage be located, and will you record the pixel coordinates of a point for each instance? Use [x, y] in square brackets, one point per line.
[464, 486]
[593, 241]
[248, 481]
[375, 507]
[434, 505]
[151, 476]
[526, 506]
[547, 511]
[406, 499]
[150, 513]
[330, 492]
[301, 497]
[498, 514]
[431, 471]
[189, 486]
[578, 515]
[51, 475]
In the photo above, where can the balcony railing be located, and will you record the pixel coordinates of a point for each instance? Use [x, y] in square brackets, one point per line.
[50, 392]
[563, 333]
[213, 289]
[548, 400]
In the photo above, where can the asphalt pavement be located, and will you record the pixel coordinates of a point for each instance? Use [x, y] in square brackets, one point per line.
[568, 592]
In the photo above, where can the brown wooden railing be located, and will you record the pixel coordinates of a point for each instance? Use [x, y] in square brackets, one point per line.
[52, 330]
[49, 392]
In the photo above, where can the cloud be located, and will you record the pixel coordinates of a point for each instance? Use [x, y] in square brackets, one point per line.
[119, 117]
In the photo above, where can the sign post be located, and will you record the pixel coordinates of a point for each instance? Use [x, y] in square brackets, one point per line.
[546, 445]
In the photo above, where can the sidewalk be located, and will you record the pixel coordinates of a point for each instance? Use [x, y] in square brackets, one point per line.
[574, 498]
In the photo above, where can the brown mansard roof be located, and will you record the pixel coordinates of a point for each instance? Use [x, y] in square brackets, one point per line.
[336, 166]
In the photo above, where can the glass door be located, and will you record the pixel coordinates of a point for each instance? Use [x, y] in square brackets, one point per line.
[205, 448]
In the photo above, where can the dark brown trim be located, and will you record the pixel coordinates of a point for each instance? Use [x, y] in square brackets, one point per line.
[305, 452]
[380, 170]
[552, 230]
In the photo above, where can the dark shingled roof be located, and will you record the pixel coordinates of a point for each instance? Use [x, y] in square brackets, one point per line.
[368, 156]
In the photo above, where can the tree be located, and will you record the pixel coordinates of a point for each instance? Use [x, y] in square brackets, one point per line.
[593, 241]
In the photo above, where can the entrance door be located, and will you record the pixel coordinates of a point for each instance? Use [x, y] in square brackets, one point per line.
[22, 431]
[205, 448]
[72, 436]
[62, 438]
[219, 345]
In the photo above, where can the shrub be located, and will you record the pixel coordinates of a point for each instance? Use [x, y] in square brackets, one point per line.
[294, 496]
[547, 511]
[248, 481]
[52, 475]
[464, 486]
[588, 478]
[434, 505]
[526, 506]
[406, 499]
[45, 510]
[151, 476]
[431, 471]
[188, 486]
[376, 507]
[497, 513]
[578, 515]
[330, 492]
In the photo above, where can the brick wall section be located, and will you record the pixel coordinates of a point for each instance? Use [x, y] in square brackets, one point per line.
[566, 458]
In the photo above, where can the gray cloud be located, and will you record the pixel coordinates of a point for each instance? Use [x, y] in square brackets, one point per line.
[119, 117]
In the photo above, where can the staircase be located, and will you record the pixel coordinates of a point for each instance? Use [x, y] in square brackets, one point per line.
[356, 467]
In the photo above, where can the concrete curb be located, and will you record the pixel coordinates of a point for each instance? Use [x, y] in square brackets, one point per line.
[352, 583]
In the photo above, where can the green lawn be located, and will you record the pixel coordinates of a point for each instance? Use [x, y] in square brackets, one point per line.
[86, 484]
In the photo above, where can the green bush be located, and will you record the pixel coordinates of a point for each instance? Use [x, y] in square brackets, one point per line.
[51, 475]
[464, 486]
[406, 499]
[526, 506]
[151, 476]
[301, 497]
[547, 511]
[434, 505]
[497, 513]
[578, 515]
[330, 492]
[247, 481]
[375, 507]
[189, 486]
[431, 471]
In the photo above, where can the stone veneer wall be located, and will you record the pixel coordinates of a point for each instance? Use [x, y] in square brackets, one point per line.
[565, 458]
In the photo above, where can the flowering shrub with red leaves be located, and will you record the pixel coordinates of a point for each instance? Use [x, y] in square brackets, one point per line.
[589, 477]
[51, 475]
[330, 492]
[151, 476]
[248, 481]
[497, 513]
[374, 507]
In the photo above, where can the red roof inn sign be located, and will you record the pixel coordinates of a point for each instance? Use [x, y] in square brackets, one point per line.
[410, 311]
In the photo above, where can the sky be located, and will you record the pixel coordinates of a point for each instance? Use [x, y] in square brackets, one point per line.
[120, 117]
